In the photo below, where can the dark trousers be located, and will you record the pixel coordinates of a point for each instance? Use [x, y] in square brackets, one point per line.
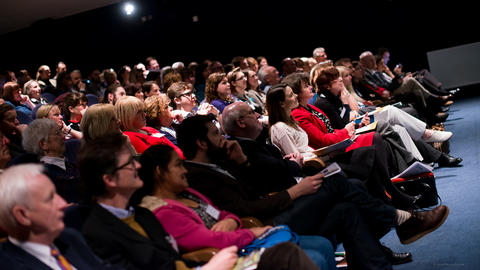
[345, 210]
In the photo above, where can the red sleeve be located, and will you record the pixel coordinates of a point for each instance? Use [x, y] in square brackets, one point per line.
[142, 142]
[316, 129]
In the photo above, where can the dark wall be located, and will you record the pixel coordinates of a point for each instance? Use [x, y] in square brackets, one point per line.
[107, 38]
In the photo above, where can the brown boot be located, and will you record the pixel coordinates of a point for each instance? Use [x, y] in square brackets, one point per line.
[422, 223]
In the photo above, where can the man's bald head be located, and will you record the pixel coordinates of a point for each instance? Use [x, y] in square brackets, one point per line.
[239, 119]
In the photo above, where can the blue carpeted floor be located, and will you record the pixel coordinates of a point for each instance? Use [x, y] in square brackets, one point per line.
[455, 245]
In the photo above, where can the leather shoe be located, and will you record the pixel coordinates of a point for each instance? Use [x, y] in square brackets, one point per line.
[422, 223]
[396, 257]
[448, 161]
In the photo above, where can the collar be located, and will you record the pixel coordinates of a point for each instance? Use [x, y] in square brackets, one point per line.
[40, 251]
[119, 212]
[59, 162]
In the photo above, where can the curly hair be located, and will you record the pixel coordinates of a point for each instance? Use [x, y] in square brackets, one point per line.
[154, 107]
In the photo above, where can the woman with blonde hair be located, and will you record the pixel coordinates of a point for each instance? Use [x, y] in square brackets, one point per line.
[131, 113]
[98, 120]
[33, 90]
[160, 115]
[52, 112]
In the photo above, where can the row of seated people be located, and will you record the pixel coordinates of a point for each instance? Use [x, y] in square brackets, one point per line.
[297, 190]
[131, 112]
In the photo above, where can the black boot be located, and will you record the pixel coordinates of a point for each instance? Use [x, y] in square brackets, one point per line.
[396, 258]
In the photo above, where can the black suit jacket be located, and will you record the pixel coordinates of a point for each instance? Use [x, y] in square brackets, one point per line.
[114, 241]
[233, 194]
[71, 245]
[273, 173]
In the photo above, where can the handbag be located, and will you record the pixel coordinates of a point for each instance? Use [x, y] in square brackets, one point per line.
[271, 237]
[421, 184]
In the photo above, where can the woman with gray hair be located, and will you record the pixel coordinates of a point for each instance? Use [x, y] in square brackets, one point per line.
[43, 138]
[33, 90]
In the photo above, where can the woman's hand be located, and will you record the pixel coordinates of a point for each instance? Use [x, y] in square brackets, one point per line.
[257, 231]
[367, 103]
[225, 259]
[225, 225]
[365, 120]
[206, 108]
[177, 116]
[350, 127]
[26, 101]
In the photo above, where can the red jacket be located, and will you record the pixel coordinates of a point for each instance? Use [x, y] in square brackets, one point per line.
[318, 135]
[142, 142]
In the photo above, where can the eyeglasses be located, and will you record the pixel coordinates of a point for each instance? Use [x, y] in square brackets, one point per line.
[186, 94]
[131, 161]
[250, 112]
[241, 78]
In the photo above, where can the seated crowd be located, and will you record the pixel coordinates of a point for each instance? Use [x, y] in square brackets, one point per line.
[150, 167]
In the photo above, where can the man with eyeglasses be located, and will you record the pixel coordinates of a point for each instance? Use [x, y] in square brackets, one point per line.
[184, 100]
[122, 234]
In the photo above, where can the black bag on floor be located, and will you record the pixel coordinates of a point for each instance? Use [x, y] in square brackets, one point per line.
[421, 184]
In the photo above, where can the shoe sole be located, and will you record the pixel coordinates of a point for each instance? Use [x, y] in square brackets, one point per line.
[422, 234]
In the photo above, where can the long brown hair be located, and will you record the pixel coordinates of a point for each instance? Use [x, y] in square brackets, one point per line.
[276, 113]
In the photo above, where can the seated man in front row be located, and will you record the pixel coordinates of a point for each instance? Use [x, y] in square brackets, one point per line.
[31, 212]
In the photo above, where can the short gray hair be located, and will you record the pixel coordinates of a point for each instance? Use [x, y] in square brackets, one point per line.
[36, 131]
[27, 86]
[14, 190]
[364, 54]
[317, 51]
[262, 73]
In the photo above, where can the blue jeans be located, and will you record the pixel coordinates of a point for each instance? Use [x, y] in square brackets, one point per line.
[320, 250]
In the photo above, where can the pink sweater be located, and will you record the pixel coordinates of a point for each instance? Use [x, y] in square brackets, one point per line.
[191, 233]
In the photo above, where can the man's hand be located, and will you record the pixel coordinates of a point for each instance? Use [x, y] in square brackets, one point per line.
[225, 225]
[296, 157]
[234, 152]
[308, 185]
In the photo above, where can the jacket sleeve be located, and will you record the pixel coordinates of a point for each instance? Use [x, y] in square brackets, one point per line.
[317, 135]
[229, 196]
[192, 235]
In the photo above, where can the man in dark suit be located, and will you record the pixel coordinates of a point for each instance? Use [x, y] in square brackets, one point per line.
[116, 231]
[31, 213]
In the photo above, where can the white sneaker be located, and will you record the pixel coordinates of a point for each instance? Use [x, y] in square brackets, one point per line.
[438, 136]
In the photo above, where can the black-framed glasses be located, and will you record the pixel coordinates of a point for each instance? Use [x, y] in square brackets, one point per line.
[186, 94]
[131, 161]
[241, 78]
[250, 112]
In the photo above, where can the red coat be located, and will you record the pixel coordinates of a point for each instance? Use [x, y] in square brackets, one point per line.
[142, 142]
[318, 135]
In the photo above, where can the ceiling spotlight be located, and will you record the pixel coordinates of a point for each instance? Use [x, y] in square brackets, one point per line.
[129, 8]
